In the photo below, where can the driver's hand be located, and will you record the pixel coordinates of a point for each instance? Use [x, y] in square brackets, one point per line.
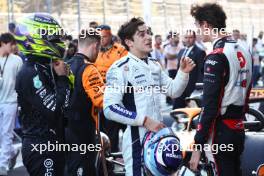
[196, 155]
[153, 125]
[186, 65]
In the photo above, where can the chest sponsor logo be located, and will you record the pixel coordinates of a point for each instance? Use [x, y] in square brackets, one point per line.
[139, 76]
[48, 164]
[43, 93]
[37, 83]
[141, 81]
[80, 171]
[211, 62]
[208, 69]
[126, 68]
[155, 74]
[135, 69]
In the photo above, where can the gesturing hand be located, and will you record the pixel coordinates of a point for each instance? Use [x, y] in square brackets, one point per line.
[194, 161]
[186, 64]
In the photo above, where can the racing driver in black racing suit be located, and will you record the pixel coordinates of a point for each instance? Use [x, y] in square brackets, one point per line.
[227, 82]
[43, 92]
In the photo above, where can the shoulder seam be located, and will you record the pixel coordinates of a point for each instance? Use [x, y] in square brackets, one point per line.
[121, 64]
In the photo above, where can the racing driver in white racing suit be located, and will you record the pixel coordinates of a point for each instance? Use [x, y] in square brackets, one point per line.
[133, 87]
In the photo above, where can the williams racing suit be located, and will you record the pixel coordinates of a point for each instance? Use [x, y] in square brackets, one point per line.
[133, 89]
[42, 100]
[227, 82]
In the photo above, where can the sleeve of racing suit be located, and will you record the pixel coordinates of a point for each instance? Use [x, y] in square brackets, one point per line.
[174, 87]
[214, 83]
[44, 97]
[113, 96]
[93, 85]
[201, 62]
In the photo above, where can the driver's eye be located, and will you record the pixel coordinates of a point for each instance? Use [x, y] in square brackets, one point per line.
[149, 32]
[142, 34]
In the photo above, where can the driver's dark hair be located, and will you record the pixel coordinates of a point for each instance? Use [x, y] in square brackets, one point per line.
[128, 30]
[88, 36]
[212, 13]
[7, 38]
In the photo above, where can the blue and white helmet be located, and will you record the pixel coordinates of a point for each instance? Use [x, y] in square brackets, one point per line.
[162, 154]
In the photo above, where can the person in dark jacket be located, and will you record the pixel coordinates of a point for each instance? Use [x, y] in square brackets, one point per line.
[196, 75]
[43, 92]
[86, 98]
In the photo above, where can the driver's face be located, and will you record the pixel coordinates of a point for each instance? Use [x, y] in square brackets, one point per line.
[142, 40]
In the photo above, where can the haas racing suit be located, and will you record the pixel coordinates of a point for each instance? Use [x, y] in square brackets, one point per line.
[42, 100]
[133, 89]
[227, 83]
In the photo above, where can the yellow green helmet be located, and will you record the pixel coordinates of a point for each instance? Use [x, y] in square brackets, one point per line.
[39, 35]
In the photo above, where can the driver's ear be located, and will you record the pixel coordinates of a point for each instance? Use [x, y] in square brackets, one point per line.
[129, 43]
[98, 44]
[206, 25]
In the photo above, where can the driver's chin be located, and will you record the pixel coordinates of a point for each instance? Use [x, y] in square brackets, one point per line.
[103, 44]
[147, 50]
[9, 51]
[150, 49]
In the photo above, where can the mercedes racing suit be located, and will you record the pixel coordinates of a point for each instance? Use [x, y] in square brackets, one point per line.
[133, 89]
[227, 82]
[42, 102]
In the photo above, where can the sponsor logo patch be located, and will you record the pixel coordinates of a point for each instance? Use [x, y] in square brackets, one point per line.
[37, 82]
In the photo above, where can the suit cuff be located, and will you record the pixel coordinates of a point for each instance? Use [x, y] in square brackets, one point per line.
[140, 120]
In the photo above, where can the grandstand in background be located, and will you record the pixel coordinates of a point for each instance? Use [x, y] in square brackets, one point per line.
[165, 15]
